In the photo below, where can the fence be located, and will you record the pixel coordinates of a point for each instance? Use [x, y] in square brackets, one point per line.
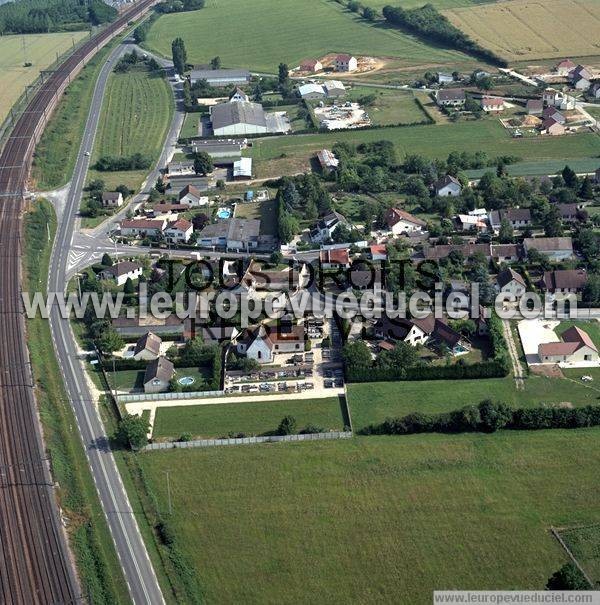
[248, 440]
[168, 396]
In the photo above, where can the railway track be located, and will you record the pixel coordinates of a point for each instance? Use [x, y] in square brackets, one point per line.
[34, 560]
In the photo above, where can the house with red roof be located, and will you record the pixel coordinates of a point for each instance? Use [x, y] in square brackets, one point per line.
[346, 62]
[179, 231]
[576, 346]
[400, 221]
[490, 104]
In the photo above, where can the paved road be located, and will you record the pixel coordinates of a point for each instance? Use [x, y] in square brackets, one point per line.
[139, 574]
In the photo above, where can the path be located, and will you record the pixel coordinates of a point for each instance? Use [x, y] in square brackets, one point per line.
[514, 355]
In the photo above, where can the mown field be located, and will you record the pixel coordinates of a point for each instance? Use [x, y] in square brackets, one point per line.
[439, 4]
[249, 418]
[275, 156]
[377, 519]
[295, 31]
[523, 30]
[373, 402]
[391, 107]
[40, 49]
[136, 114]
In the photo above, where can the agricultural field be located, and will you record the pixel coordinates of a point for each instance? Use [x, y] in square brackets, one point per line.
[275, 156]
[250, 418]
[439, 4]
[295, 31]
[371, 518]
[583, 543]
[41, 50]
[373, 402]
[136, 114]
[522, 30]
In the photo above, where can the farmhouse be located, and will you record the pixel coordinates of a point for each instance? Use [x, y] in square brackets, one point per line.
[142, 227]
[345, 62]
[231, 234]
[568, 212]
[576, 346]
[580, 78]
[121, 272]
[327, 160]
[555, 248]
[147, 347]
[191, 196]
[506, 253]
[450, 97]
[221, 77]
[551, 127]
[558, 99]
[327, 226]
[311, 65]
[334, 89]
[312, 91]
[518, 218]
[467, 222]
[112, 199]
[564, 67]
[400, 221]
[334, 258]
[179, 231]
[534, 107]
[238, 96]
[490, 104]
[551, 113]
[378, 252]
[447, 186]
[564, 281]
[158, 375]
[510, 282]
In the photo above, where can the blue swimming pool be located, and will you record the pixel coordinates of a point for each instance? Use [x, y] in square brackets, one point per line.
[186, 381]
[223, 213]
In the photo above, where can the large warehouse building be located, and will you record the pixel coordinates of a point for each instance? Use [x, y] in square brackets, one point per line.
[238, 118]
[221, 77]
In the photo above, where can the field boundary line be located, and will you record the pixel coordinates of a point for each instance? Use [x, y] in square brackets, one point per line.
[571, 555]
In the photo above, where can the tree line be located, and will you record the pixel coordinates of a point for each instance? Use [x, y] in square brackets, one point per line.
[488, 417]
[428, 23]
[41, 16]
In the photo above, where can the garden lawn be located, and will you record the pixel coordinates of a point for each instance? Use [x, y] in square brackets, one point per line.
[376, 519]
[285, 155]
[390, 107]
[373, 402]
[136, 114]
[286, 32]
[265, 211]
[219, 420]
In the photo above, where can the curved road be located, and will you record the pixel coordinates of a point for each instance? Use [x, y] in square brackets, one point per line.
[131, 550]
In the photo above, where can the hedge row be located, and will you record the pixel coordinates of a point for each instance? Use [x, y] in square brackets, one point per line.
[488, 417]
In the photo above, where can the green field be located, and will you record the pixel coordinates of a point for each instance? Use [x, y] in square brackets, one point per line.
[136, 115]
[583, 543]
[39, 49]
[286, 155]
[391, 106]
[373, 402]
[249, 418]
[265, 211]
[439, 4]
[295, 31]
[377, 519]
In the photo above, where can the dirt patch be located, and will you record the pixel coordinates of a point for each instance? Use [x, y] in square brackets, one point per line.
[365, 65]
[551, 371]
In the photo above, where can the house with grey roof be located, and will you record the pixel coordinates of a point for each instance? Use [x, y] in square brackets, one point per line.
[221, 77]
[234, 234]
[555, 248]
[450, 97]
[158, 375]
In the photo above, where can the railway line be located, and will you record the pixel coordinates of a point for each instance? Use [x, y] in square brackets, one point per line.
[35, 566]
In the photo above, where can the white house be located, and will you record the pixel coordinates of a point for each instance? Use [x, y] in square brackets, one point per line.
[121, 272]
[112, 199]
[400, 221]
[327, 226]
[492, 104]
[255, 344]
[558, 99]
[511, 282]
[467, 222]
[142, 227]
[450, 97]
[179, 231]
[564, 67]
[346, 62]
[311, 65]
[147, 347]
[334, 258]
[576, 346]
[238, 96]
[447, 186]
[191, 196]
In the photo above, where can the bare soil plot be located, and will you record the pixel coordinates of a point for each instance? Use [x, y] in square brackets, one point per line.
[533, 29]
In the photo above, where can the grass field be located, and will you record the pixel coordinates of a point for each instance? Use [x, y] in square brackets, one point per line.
[55, 155]
[286, 155]
[524, 30]
[391, 106]
[439, 4]
[583, 543]
[295, 31]
[265, 211]
[39, 49]
[249, 418]
[377, 519]
[136, 114]
[373, 402]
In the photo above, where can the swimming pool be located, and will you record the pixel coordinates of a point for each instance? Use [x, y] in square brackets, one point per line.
[185, 381]
[223, 213]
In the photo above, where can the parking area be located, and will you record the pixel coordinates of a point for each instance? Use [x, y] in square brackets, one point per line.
[534, 332]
